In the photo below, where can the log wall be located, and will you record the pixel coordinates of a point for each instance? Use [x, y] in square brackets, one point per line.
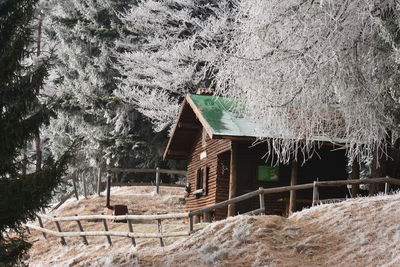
[212, 149]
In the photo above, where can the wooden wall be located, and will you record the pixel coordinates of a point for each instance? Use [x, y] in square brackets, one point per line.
[223, 176]
[325, 165]
[212, 148]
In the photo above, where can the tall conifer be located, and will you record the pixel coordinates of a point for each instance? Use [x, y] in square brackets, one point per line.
[21, 76]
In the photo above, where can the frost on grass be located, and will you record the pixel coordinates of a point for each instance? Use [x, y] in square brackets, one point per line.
[242, 232]
[212, 254]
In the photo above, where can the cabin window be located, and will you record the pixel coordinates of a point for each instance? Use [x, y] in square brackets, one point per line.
[267, 173]
[202, 182]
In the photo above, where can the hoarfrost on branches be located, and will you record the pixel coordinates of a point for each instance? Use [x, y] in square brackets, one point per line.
[82, 85]
[308, 70]
[166, 53]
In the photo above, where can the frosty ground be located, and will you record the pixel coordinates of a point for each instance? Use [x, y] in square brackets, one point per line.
[356, 232]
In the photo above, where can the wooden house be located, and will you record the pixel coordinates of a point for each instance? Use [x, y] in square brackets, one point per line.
[222, 161]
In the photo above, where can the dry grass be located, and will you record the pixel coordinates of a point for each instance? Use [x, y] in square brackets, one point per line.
[140, 200]
[357, 232]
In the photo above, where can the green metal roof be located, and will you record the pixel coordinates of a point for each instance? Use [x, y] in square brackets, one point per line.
[219, 113]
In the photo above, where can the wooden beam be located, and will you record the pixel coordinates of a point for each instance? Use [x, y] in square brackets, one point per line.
[189, 125]
[81, 229]
[58, 227]
[232, 179]
[75, 187]
[262, 201]
[41, 225]
[315, 195]
[293, 181]
[190, 224]
[131, 231]
[158, 181]
[199, 116]
[355, 175]
[182, 172]
[108, 189]
[98, 181]
[84, 185]
[105, 233]
[358, 181]
[117, 217]
[159, 229]
[106, 229]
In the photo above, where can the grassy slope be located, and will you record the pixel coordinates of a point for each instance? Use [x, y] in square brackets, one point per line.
[357, 232]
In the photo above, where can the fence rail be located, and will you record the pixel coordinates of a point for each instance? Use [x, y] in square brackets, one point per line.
[157, 171]
[105, 233]
[190, 215]
[117, 217]
[263, 191]
[103, 218]
[317, 184]
[167, 171]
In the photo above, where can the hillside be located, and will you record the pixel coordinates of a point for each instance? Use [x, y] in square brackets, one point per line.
[357, 232]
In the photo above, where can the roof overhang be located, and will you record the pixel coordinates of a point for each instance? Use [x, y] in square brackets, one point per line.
[194, 116]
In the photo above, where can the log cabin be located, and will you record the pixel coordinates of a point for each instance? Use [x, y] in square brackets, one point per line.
[223, 162]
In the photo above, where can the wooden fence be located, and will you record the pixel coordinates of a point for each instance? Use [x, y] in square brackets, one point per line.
[157, 171]
[190, 215]
[103, 219]
[100, 171]
[205, 212]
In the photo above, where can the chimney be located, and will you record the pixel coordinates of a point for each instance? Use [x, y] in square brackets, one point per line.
[205, 91]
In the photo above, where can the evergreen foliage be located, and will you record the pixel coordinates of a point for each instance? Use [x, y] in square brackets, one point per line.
[21, 76]
[82, 84]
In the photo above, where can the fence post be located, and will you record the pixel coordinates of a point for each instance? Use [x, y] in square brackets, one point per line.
[106, 229]
[81, 229]
[315, 194]
[84, 184]
[190, 223]
[158, 180]
[131, 231]
[108, 189]
[41, 225]
[387, 188]
[62, 239]
[262, 201]
[98, 181]
[159, 227]
[75, 187]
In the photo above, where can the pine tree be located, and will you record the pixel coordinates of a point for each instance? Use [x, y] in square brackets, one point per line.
[82, 84]
[21, 76]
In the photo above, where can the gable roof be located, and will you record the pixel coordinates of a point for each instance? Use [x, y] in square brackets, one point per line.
[218, 117]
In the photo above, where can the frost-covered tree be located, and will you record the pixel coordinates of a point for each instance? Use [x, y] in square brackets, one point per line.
[81, 86]
[307, 69]
[166, 50]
